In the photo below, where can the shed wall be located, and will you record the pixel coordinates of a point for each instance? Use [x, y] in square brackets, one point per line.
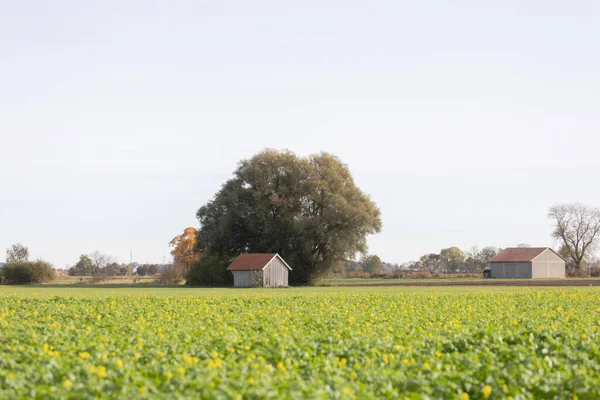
[247, 278]
[275, 274]
[511, 269]
[548, 265]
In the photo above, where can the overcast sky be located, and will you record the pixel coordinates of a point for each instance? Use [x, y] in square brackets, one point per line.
[465, 121]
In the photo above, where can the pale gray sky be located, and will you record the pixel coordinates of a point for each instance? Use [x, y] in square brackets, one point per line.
[463, 120]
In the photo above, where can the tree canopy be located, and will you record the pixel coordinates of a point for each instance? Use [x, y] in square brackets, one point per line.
[309, 210]
[183, 248]
[577, 229]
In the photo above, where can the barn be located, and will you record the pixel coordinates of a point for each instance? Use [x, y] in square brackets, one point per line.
[259, 270]
[528, 262]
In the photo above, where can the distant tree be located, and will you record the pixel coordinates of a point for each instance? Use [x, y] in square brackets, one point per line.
[309, 210]
[210, 271]
[184, 249]
[452, 259]
[16, 253]
[100, 261]
[429, 262]
[477, 260]
[523, 245]
[111, 269]
[83, 267]
[371, 264]
[576, 228]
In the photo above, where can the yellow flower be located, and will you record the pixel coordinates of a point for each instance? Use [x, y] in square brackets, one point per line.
[487, 390]
[168, 375]
[67, 383]
[464, 396]
[119, 363]
[143, 390]
[181, 370]
[101, 371]
[85, 355]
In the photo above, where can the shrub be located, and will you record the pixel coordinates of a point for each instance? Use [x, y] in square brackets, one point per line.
[578, 273]
[210, 271]
[170, 276]
[26, 272]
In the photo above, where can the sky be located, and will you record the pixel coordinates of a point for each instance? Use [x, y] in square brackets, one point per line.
[464, 121]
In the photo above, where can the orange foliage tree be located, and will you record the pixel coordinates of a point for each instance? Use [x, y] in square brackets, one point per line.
[183, 248]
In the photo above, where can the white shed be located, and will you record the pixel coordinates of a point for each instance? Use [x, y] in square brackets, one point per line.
[529, 262]
[259, 270]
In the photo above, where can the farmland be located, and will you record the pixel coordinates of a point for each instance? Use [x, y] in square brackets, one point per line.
[301, 343]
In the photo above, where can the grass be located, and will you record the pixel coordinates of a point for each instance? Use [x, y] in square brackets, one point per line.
[368, 281]
[178, 291]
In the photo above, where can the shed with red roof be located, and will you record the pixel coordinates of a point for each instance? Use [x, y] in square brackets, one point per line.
[527, 262]
[260, 270]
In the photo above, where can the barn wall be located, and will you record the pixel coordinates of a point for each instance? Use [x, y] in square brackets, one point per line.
[548, 265]
[275, 274]
[247, 278]
[511, 269]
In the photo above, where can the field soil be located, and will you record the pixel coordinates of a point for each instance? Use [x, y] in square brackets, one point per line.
[481, 282]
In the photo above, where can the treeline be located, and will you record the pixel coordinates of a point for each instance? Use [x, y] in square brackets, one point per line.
[97, 263]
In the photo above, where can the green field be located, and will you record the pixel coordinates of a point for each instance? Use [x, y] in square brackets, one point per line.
[161, 290]
[314, 342]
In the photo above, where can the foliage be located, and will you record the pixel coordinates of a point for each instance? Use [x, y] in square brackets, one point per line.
[371, 264]
[210, 271]
[28, 272]
[17, 253]
[184, 250]
[452, 260]
[577, 229]
[170, 276]
[539, 344]
[309, 210]
[101, 262]
[84, 267]
[147, 269]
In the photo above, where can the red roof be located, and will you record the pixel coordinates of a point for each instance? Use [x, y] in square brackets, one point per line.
[518, 254]
[251, 261]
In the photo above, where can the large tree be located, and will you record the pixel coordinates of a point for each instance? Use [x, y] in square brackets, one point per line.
[307, 209]
[17, 253]
[576, 228]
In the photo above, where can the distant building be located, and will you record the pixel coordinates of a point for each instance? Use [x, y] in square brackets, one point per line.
[259, 270]
[531, 262]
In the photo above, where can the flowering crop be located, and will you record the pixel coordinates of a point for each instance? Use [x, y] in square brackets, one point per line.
[533, 344]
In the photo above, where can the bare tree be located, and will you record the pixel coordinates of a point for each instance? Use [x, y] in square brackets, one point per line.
[101, 261]
[577, 228]
[17, 252]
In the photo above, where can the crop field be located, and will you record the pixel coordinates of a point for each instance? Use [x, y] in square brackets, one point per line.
[521, 344]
